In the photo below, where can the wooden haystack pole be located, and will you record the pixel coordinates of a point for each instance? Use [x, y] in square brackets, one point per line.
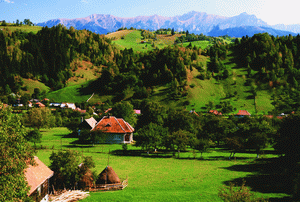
[108, 176]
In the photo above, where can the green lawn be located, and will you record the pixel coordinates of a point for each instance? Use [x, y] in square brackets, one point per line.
[160, 177]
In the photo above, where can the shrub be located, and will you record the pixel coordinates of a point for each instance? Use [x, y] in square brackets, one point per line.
[192, 85]
[233, 193]
[201, 76]
[124, 147]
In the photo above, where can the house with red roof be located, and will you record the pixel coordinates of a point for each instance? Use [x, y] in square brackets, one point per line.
[117, 129]
[242, 113]
[39, 104]
[38, 176]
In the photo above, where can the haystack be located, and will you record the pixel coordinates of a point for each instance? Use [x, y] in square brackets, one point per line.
[108, 176]
[86, 180]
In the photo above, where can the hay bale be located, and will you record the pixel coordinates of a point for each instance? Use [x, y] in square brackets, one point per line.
[86, 180]
[108, 176]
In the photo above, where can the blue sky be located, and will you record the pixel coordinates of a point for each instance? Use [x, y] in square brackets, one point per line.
[270, 11]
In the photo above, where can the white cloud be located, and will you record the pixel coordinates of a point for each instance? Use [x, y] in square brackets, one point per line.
[84, 1]
[8, 1]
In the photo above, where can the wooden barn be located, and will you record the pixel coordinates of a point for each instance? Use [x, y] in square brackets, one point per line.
[38, 177]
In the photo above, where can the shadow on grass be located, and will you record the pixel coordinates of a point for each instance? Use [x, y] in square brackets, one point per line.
[141, 153]
[78, 146]
[246, 151]
[70, 135]
[267, 176]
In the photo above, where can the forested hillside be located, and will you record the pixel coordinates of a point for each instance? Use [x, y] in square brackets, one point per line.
[249, 73]
[49, 55]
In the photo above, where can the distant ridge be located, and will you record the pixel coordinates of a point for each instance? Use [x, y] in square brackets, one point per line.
[195, 22]
[247, 30]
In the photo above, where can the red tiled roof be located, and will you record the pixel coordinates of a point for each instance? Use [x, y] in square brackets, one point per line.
[271, 116]
[80, 110]
[215, 112]
[37, 175]
[243, 113]
[113, 125]
[108, 110]
[40, 104]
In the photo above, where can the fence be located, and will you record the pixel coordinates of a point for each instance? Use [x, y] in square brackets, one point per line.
[109, 187]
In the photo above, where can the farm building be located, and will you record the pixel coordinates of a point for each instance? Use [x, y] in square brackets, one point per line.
[38, 177]
[88, 124]
[118, 130]
[242, 113]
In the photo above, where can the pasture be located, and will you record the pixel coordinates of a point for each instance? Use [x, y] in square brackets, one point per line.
[164, 177]
[24, 28]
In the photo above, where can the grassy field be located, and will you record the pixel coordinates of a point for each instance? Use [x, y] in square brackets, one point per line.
[201, 44]
[132, 40]
[32, 84]
[163, 177]
[217, 91]
[24, 28]
[72, 93]
[85, 71]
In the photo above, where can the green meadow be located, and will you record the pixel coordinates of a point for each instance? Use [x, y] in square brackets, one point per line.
[165, 177]
[32, 84]
[24, 28]
[133, 40]
[72, 93]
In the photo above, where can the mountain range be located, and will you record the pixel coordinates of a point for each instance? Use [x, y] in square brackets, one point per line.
[195, 22]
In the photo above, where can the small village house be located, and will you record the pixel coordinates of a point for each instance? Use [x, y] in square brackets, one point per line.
[242, 113]
[38, 177]
[118, 130]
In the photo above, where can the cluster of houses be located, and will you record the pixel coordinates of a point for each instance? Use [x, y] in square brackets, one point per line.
[243, 113]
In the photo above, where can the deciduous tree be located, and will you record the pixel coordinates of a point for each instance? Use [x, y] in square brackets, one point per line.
[39, 118]
[15, 152]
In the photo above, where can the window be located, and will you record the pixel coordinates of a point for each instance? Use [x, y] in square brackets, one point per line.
[117, 137]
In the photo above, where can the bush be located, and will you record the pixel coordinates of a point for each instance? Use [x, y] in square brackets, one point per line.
[192, 85]
[124, 147]
[201, 76]
[233, 193]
